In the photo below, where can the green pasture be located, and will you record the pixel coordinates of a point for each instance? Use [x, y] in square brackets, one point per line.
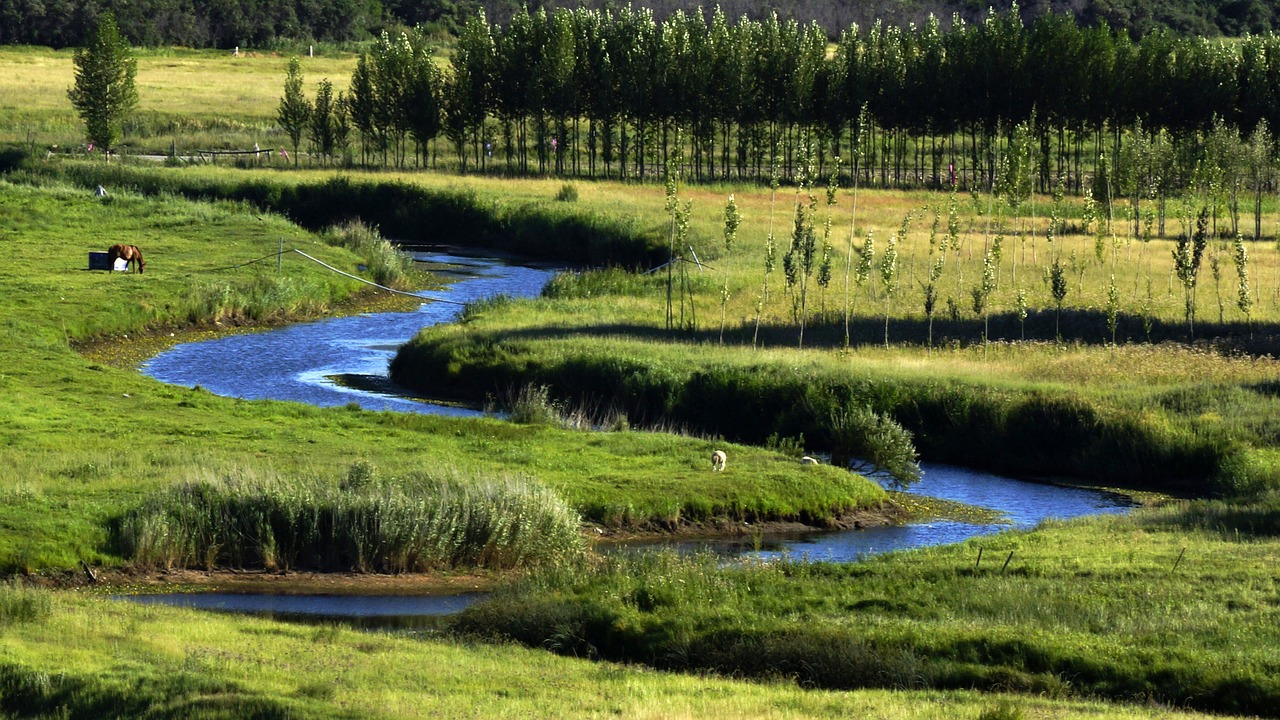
[85, 441]
[194, 99]
[1174, 606]
[1170, 608]
[87, 656]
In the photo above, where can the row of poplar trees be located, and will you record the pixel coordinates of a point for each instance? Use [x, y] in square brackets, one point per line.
[603, 93]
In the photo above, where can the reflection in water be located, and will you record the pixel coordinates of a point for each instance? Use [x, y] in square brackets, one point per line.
[366, 611]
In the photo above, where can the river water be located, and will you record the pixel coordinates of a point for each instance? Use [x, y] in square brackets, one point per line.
[344, 360]
[341, 360]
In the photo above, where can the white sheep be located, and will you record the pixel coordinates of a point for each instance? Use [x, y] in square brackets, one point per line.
[806, 460]
[718, 460]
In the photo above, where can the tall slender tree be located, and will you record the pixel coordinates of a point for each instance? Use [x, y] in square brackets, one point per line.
[104, 92]
[294, 111]
[321, 126]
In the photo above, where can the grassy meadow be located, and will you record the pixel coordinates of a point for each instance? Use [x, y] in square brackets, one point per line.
[1174, 606]
[183, 98]
[85, 656]
[1144, 616]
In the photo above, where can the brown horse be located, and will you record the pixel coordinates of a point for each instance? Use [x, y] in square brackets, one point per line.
[128, 253]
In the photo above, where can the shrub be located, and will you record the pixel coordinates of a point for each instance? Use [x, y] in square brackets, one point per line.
[873, 445]
[568, 193]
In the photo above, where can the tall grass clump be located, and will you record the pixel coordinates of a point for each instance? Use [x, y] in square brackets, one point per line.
[417, 524]
[568, 192]
[260, 298]
[20, 603]
[533, 405]
[386, 265]
[574, 285]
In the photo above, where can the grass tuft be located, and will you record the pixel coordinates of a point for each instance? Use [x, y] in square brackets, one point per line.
[364, 523]
[20, 603]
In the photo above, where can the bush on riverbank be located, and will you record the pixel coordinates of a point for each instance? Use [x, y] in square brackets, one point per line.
[362, 524]
[1078, 609]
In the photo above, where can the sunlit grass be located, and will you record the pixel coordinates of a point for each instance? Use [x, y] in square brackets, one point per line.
[1150, 606]
[183, 97]
[85, 440]
[364, 523]
[158, 660]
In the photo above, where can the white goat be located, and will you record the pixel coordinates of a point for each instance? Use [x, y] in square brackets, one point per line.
[718, 461]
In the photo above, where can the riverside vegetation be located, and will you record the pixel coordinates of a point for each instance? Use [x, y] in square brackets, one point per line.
[148, 436]
[99, 462]
[611, 477]
[65, 499]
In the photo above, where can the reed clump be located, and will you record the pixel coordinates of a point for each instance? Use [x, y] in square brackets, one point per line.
[20, 603]
[387, 265]
[364, 523]
[261, 298]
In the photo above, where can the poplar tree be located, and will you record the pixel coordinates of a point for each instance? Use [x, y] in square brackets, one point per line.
[104, 92]
[1058, 288]
[889, 276]
[1187, 255]
[321, 126]
[1244, 300]
[732, 219]
[294, 112]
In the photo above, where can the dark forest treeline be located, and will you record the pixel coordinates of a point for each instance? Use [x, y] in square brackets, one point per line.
[262, 23]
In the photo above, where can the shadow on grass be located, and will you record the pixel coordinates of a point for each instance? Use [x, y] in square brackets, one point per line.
[25, 692]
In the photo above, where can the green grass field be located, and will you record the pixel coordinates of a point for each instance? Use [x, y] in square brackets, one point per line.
[86, 440]
[92, 657]
[1173, 605]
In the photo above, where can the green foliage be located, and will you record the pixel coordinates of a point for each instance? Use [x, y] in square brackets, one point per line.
[568, 193]
[1187, 256]
[874, 445]
[328, 126]
[1244, 298]
[414, 524]
[1113, 308]
[104, 92]
[20, 603]
[387, 265]
[1084, 609]
[294, 112]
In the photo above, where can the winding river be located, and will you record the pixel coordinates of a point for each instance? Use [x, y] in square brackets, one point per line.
[344, 360]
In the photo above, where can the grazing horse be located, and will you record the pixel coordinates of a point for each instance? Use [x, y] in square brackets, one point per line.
[128, 253]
